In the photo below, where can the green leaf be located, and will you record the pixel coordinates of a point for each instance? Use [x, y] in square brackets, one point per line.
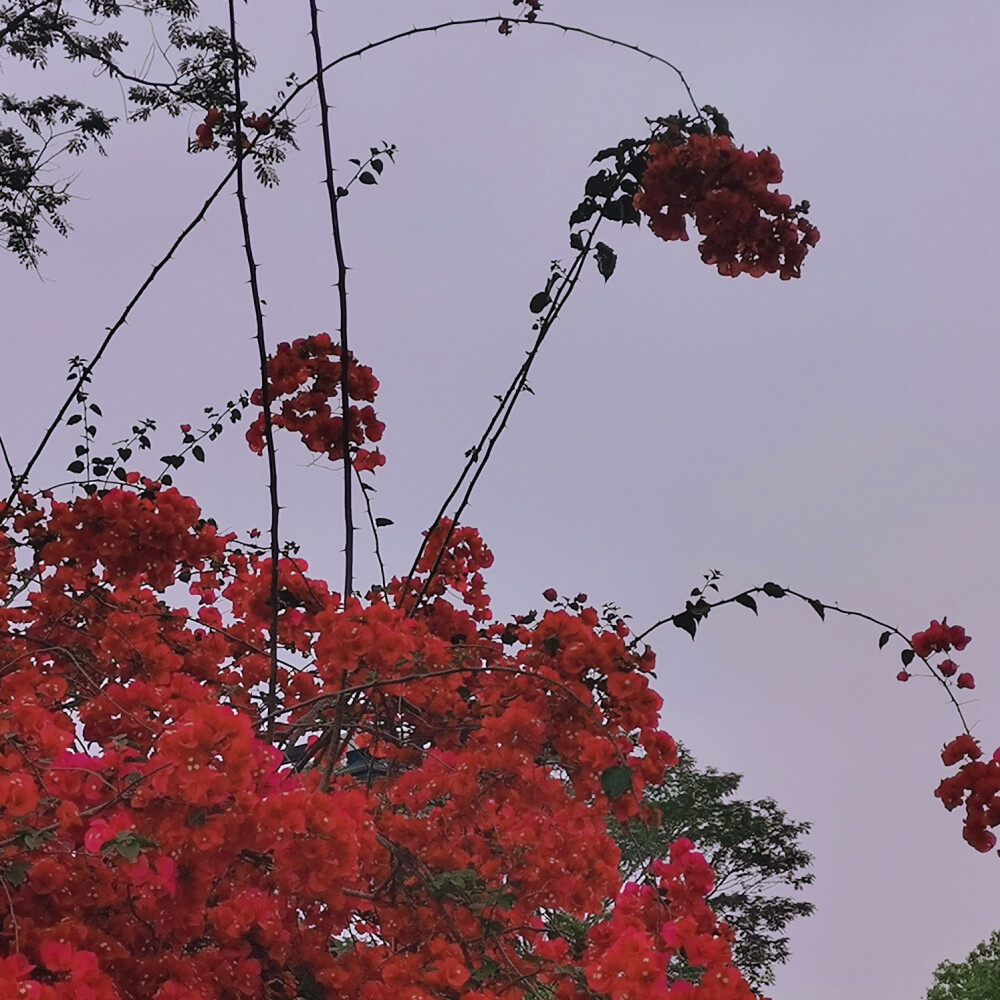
[747, 601]
[383, 522]
[539, 301]
[377, 166]
[773, 590]
[576, 241]
[75, 419]
[817, 607]
[15, 873]
[367, 177]
[616, 781]
[75, 467]
[883, 639]
[198, 452]
[307, 986]
[606, 260]
[907, 657]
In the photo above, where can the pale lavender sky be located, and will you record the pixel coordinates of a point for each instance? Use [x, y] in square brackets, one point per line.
[837, 434]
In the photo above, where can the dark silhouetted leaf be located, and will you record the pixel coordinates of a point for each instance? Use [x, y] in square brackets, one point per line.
[539, 301]
[606, 260]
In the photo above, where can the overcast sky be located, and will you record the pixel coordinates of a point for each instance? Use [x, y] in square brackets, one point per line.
[837, 434]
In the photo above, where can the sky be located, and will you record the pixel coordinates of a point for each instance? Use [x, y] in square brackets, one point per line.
[838, 434]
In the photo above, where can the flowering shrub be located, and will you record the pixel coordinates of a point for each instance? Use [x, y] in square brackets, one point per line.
[179, 857]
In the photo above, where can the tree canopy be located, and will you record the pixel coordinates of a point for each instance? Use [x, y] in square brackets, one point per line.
[977, 978]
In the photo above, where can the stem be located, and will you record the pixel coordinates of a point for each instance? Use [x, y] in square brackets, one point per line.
[265, 391]
[498, 422]
[86, 372]
[345, 357]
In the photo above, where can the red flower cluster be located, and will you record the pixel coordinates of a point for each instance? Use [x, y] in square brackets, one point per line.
[747, 228]
[629, 955]
[206, 130]
[308, 371]
[455, 556]
[977, 784]
[940, 637]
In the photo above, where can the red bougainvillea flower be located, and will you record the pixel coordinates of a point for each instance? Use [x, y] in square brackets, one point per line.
[966, 681]
[939, 637]
[725, 191]
[205, 132]
[961, 746]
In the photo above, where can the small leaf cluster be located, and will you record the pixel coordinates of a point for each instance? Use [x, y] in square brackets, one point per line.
[375, 162]
[232, 411]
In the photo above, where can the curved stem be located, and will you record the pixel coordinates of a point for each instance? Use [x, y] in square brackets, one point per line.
[771, 590]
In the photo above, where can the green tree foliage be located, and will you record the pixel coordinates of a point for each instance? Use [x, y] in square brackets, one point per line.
[753, 847]
[37, 132]
[977, 978]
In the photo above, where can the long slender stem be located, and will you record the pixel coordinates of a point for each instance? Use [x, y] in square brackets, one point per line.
[85, 373]
[345, 356]
[480, 453]
[265, 389]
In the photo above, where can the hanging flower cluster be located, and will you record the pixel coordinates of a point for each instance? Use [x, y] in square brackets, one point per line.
[308, 372]
[725, 190]
[977, 784]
